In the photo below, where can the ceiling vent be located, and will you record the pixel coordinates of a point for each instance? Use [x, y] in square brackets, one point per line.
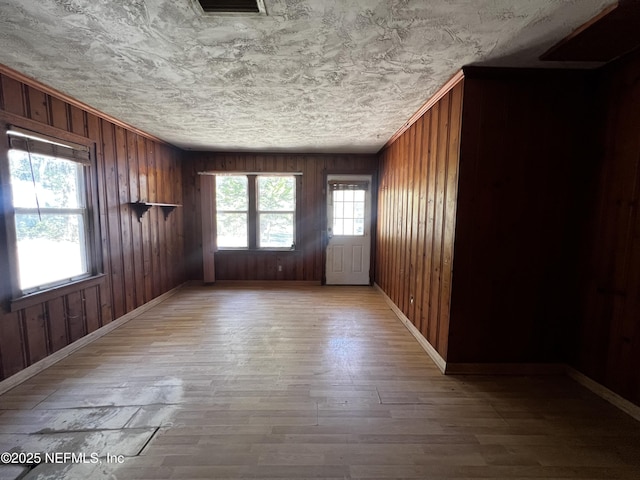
[240, 7]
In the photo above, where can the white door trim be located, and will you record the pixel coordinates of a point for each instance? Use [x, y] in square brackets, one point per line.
[348, 258]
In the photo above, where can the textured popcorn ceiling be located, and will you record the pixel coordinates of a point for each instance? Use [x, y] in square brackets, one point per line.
[312, 75]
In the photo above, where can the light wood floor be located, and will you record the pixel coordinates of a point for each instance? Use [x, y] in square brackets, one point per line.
[304, 382]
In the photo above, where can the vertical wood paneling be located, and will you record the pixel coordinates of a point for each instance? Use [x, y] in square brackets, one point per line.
[449, 218]
[416, 217]
[12, 344]
[59, 112]
[13, 96]
[136, 225]
[164, 236]
[36, 105]
[608, 333]
[113, 208]
[526, 143]
[421, 258]
[428, 323]
[125, 237]
[93, 126]
[416, 177]
[303, 264]
[438, 221]
[132, 252]
[208, 192]
[396, 200]
[153, 217]
[57, 319]
[36, 332]
[91, 308]
[145, 227]
[78, 121]
[75, 316]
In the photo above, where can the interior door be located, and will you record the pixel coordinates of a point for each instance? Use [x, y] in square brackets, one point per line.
[348, 229]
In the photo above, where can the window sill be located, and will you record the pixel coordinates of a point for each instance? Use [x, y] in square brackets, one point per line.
[37, 298]
[255, 250]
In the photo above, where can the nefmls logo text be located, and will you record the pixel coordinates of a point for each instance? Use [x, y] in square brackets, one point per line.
[71, 457]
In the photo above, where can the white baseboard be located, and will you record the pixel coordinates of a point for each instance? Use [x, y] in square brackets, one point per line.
[424, 343]
[23, 375]
[449, 368]
[602, 391]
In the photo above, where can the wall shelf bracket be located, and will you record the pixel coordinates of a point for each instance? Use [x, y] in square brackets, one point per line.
[142, 207]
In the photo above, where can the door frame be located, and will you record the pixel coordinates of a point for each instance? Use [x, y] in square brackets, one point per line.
[374, 217]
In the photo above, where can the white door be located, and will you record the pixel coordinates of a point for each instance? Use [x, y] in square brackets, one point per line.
[348, 229]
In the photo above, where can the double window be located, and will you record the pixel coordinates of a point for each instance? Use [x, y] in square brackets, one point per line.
[255, 211]
[51, 216]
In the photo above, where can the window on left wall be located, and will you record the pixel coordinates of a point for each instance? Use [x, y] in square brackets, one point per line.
[51, 221]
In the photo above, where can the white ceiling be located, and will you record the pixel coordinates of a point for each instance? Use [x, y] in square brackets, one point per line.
[311, 76]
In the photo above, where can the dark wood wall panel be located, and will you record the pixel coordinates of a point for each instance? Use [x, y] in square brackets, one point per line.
[141, 259]
[416, 217]
[56, 316]
[12, 343]
[607, 344]
[304, 264]
[528, 157]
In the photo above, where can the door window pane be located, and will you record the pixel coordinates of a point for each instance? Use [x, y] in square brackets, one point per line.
[348, 212]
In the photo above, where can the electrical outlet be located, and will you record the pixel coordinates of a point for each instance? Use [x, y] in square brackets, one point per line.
[279, 268]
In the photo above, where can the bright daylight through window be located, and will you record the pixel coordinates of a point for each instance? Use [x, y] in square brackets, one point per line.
[348, 212]
[51, 222]
[267, 221]
[232, 205]
[276, 208]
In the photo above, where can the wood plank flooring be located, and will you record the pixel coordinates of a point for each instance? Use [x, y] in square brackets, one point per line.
[299, 382]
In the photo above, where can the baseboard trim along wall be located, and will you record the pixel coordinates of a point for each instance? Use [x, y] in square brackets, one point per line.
[602, 391]
[505, 368]
[424, 343]
[32, 370]
[513, 368]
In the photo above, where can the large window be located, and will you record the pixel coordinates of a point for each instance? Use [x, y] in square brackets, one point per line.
[276, 211]
[49, 198]
[232, 211]
[255, 211]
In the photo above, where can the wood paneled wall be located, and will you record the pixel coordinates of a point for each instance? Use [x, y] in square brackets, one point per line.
[607, 346]
[416, 217]
[304, 264]
[483, 210]
[141, 259]
[528, 155]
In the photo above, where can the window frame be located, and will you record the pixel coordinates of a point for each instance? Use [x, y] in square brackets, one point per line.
[14, 295]
[260, 212]
[239, 212]
[343, 217]
[253, 212]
